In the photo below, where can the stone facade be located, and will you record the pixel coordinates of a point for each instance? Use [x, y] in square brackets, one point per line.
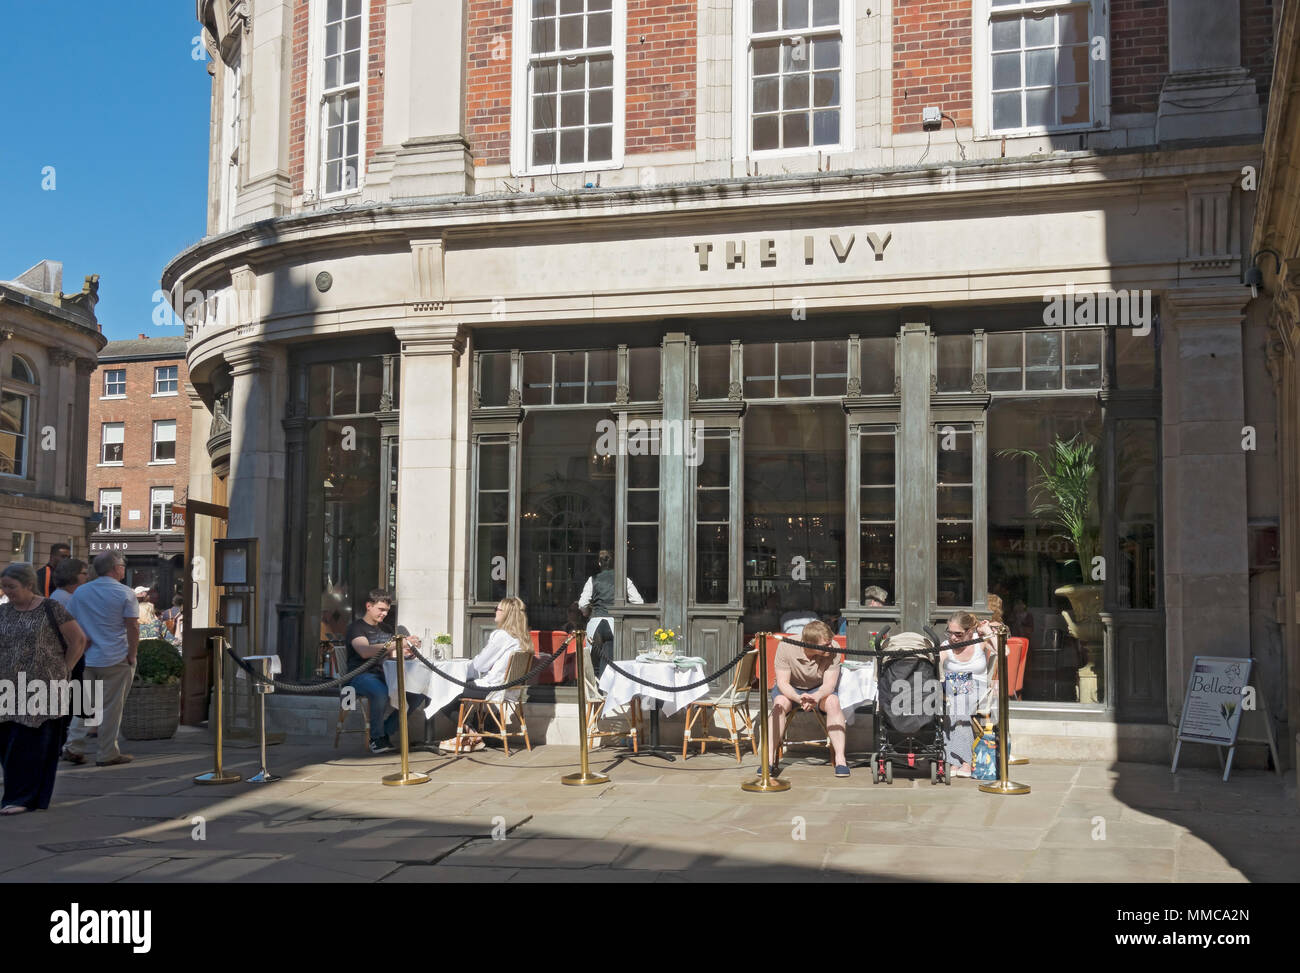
[48, 344]
[444, 249]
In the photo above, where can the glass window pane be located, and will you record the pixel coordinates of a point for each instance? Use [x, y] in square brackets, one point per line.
[602, 107]
[764, 15]
[1074, 106]
[600, 144]
[713, 371]
[715, 463]
[830, 360]
[767, 59]
[491, 557]
[1072, 65]
[544, 148]
[643, 374]
[345, 389]
[795, 361]
[826, 127]
[877, 503]
[643, 561]
[877, 558]
[573, 76]
[571, 33]
[767, 94]
[537, 378]
[544, 78]
[1040, 107]
[1040, 30]
[543, 8]
[1006, 35]
[1006, 110]
[643, 471]
[878, 459]
[954, 503]
[372, 384]
[1006, 71]
[954, 370]
[352, 67]
[1003, 370]
[570, 377]
[599, 30]
[766, 132]
[954, 461]
[1073, 26]
[1042, 360]
[1135, 497]
[572, 146]
[353, 34]
[760, 370]
[1040, 67]
[570, 6]
[826, 53]
[573, 109]
[712, 564]
[493, 507]
[602, 375]
[601, 72]
[1135, 359]
[494, 467]
[794, 130]
[825, 12]
[955, 563]
[877, 366]
[826, 89]
[1083, 359]
[712, 505]
[494, 377]
[794, 13]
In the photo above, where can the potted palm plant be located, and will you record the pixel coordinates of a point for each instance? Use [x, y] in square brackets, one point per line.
[153, 707]
[1062, 491]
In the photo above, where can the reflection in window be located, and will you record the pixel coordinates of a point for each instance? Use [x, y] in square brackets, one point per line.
[1045, 361]
[877, 513]
[953, 367]
[494, 378]
[643, 374]
[955, 515]
[1135, 511]
[491, 541]
[1135, 359]
[643, 516]
[713, 519]
[570, 377]
[878, 366]
[795, 369]
[13, 435]
[712, 371]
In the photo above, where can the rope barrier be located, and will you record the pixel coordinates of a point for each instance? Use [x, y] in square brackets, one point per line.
[605, 654]
[299, 687]
[547, 659]
[868, 652]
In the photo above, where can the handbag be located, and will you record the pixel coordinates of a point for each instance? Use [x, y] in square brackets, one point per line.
[984, 755]
[49, 613]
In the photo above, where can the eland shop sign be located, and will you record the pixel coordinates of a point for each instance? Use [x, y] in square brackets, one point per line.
[763, 252]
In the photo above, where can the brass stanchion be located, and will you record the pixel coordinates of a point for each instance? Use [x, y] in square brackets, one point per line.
[766, 782]
[584, 775]
[405, 777]
[217, 776]
[1003, 785]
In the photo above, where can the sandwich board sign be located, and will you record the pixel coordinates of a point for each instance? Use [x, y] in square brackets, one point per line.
[1218, 690]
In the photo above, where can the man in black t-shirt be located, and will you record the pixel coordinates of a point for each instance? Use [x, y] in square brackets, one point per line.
[365, 640]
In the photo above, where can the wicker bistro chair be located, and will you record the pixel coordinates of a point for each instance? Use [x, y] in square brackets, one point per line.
[363, 705]
[734, 700]
[502, 704]
[596, 701]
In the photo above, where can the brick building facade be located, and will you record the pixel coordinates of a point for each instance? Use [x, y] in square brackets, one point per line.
[137, 464]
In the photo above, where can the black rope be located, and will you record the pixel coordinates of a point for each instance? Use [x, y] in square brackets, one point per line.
[605, 654]
[299, 687]
[872, 653]
[547, 659]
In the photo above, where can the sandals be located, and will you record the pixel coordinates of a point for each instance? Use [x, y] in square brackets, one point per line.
[11, 809]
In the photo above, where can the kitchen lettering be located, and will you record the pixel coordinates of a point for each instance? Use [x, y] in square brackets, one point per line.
[737, 253]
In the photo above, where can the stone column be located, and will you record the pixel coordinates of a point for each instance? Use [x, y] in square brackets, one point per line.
[675, 483]
[256, 491]
[266, 58]
[1206, 567]
[915, 529]
[85, 367]
[433, 456]
[1207, 92]
[199, 488]
[425, 151]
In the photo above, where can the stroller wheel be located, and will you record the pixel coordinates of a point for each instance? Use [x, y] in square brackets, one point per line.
[934, 773]
[947, 774]
[889, 772]
[875, 769]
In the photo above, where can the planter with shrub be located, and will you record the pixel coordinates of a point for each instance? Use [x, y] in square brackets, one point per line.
[153, 707]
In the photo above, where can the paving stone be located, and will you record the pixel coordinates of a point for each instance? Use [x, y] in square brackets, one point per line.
[1078, 833]
[1101, 864]
[539, 853]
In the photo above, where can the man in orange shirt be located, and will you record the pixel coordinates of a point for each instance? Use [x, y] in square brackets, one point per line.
[45, 585]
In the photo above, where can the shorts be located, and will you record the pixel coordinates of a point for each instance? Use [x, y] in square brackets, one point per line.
[776, 691]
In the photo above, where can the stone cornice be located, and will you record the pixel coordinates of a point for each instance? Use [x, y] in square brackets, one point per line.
[875, 195]
[1214, 305]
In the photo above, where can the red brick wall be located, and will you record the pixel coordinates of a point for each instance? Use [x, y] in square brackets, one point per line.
[138, 411]
[487, 82]
[298, 97]
[1139, 54]
[661, 75]
[375, 81]
[1257, 41]
[932, 61]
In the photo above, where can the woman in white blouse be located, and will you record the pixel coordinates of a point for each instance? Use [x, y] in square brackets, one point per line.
[488, 668]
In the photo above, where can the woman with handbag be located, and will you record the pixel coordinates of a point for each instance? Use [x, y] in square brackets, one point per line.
[40, 642]
[965, 678]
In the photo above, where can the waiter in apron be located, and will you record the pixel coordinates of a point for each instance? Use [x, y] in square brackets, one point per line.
[597, 599]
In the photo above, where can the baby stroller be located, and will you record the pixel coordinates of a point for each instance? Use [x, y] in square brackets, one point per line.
[910, 707]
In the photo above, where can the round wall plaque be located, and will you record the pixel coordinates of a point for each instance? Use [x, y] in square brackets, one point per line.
[324, 281]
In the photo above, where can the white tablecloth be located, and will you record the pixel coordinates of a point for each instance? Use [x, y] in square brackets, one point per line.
[857, 686]
[419, 679]
[619, 690]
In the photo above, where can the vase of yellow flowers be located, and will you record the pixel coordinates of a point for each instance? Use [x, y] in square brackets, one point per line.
[665, 641]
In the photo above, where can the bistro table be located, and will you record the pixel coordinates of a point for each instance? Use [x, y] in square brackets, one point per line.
[857, 685]
[619, 690]
[422, 681]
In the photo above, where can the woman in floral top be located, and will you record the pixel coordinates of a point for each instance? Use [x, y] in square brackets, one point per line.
[30, 647]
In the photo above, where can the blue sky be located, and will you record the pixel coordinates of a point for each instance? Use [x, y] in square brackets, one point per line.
[111, 97]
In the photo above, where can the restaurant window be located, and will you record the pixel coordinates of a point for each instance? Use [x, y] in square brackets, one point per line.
[1042, 72]
[342, 97]
[494, 378]
[114, 383]
[795, 369]
[796, 57]
[953, 365]
[111, 443]
[713, 518]
[954, 508]
[568, 85]
[164, 441]
[1031, 558]
[877, 510]
[492, 533]
[1136, 460]
[1135, 359]
[712, 371]
[160, 508]
[110, 509]
[794, 513]
[878, 365]
[566, 510]
[570, 377]
[643, 366]
[642, 501]
[1045, 361]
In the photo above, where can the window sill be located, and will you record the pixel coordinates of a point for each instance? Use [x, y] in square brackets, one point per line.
[567, 169]
[759, 155]
[162, 395]
[1029, 133]
[161, 462]
[107, 398]
[119, 463]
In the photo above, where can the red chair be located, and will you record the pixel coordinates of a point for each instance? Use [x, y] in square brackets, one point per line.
[773, 640]
[565, 667]
[1017, 655]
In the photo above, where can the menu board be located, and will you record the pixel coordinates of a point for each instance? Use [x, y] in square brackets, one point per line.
[1212, 707]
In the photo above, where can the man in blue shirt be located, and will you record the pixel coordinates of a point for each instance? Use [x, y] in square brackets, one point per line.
[107, 610]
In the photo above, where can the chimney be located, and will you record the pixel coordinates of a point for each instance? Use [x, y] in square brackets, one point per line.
[142, 338]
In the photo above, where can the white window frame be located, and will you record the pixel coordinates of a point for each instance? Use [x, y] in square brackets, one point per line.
[521, 105]
[176, 391]
[153, 449]
[742, 88]
[114, 395]
[103, 441]
[106, 507]
[155, 503]
[982, 70]
[313, 176]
